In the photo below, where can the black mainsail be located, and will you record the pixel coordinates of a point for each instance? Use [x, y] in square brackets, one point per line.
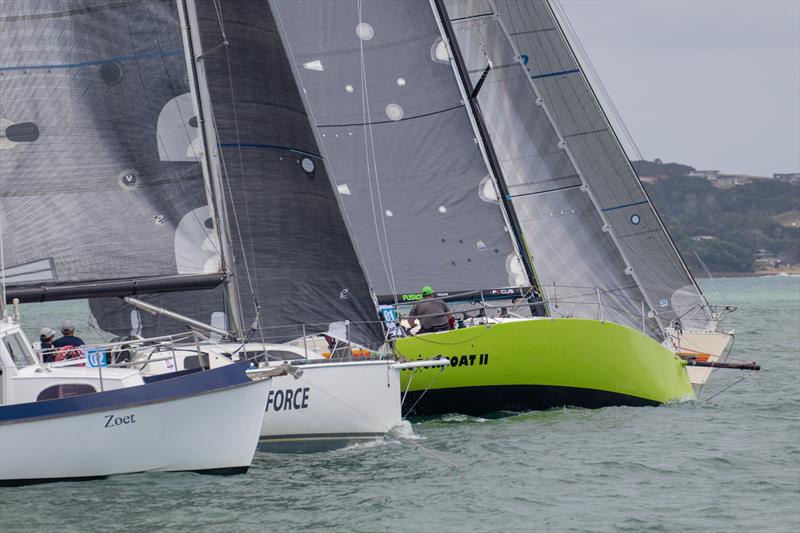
[101, 192]
[423, 206]
[292, 253]
[628, 215]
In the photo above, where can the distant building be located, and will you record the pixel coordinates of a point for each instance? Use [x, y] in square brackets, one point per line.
[728, 181]
[705, 174]
[766, 257]
[788, 178]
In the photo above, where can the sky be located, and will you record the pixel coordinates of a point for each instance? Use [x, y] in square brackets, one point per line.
[714, 84]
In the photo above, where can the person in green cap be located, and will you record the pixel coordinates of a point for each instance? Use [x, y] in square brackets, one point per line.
[434, 315]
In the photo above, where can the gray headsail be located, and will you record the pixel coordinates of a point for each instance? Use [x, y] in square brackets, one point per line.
[292, 252]
[423, 209]
[586, 134]
[101, 192]
[577, 262]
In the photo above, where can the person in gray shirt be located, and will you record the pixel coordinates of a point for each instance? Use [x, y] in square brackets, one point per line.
[434, 315]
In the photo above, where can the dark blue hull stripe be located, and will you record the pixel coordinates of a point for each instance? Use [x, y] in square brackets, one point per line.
[226, 471]
[180, 386]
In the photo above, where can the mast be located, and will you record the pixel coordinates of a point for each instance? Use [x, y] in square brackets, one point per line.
[201, 99]
[469, 94]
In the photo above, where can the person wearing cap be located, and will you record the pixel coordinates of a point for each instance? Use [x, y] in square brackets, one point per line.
[68, 337]
[47, 338]
[434, 315]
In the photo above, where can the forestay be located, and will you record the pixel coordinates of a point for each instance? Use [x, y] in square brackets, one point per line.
[618, 195]
[422, 207]
[99, 176]
[577, 263]
[293, 254]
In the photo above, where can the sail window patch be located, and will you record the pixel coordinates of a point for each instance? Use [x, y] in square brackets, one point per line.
[314, 65]
[343, 189]
[365, 31]
[23, 132]
[394, 112]
[439, 51]
[111, 73]
[487, 191]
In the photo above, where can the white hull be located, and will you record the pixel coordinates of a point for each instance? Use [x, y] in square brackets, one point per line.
[331, 405]
[215, 432]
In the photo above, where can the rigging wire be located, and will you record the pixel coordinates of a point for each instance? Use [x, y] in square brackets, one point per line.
[570, 30]
[227, 180]
[369, 146]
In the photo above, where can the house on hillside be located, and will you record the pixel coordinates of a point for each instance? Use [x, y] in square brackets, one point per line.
[728, 181]
[788, 178]
[705, 174]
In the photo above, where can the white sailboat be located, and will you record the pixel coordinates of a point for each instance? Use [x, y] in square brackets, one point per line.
[321, 403]
[72, 423]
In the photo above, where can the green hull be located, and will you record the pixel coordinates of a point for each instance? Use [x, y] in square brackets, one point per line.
[540, 364]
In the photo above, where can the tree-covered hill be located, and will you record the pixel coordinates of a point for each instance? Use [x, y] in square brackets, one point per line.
[732, 227]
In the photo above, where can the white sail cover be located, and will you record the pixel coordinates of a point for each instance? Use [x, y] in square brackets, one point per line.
[622, 207]
[421, 205]
[99, 171]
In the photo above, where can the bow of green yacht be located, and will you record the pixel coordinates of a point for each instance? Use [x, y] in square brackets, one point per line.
[540, 363]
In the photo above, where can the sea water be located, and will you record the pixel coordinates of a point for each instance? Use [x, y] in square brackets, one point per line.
[730, 462]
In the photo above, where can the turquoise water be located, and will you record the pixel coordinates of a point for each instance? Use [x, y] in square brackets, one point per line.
[728, 464]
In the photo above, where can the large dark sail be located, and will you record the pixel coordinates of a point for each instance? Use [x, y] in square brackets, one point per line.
[293, 254]
[101, 191]
[628, 215]
[423, 207]
[576, 259]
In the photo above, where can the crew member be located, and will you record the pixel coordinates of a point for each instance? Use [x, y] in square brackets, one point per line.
[434, 315]
[47, 338]
[68, 337]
